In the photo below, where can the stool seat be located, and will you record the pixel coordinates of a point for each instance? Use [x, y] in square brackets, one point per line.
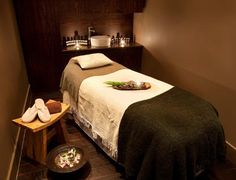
[36, 134]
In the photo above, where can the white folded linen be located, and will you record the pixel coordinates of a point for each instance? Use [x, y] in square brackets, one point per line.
[102, 107]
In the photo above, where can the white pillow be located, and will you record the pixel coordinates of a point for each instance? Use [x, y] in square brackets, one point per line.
[92, 60]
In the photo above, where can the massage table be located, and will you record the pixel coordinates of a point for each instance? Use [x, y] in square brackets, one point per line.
[163, 132]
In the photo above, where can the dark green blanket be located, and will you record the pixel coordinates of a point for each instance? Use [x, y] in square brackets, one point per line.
[171, 136]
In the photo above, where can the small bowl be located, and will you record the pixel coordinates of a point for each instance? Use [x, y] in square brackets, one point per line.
[51, 159]
[100, 41]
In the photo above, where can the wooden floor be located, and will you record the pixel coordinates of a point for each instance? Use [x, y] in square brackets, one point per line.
[100, 166]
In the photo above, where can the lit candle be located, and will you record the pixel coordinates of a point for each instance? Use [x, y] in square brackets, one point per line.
[77, 45]
[122, 42]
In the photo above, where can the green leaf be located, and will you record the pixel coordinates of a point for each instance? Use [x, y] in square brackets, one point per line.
[115, 83]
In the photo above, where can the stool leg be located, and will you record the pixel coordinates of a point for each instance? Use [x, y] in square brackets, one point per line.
[36, 145]
[61, 132]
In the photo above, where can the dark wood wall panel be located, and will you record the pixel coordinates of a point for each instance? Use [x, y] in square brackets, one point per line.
[109, 25]
[105, 16]
[42, 23]
[103, 6]
[38, 25]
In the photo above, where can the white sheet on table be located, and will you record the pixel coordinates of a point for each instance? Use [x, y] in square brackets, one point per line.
[103, 107]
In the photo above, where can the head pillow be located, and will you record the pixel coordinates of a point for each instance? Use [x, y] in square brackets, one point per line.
[92, 60]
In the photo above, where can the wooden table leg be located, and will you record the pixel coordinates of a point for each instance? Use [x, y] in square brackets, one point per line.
[60, 132]
[36, 145]
[36, 142]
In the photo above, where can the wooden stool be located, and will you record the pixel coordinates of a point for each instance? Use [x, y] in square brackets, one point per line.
[37, 135]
